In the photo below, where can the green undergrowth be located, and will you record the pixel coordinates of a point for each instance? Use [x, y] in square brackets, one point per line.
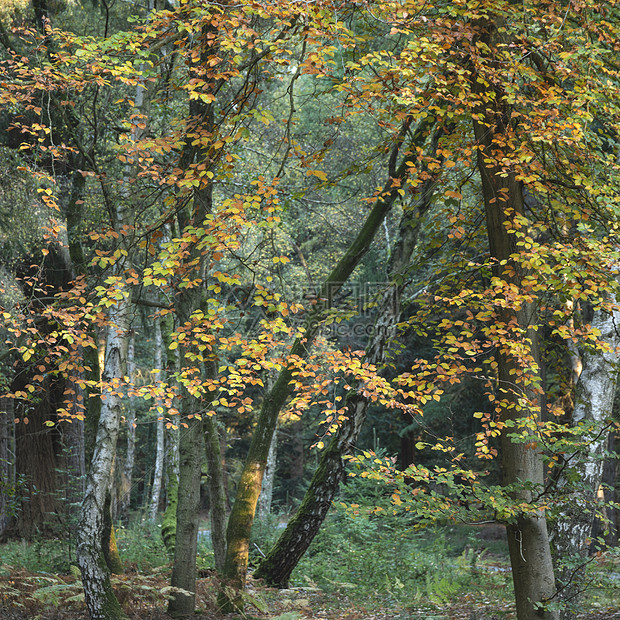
[39, 556]
[359, 559]
[141, 546]
[389, 562]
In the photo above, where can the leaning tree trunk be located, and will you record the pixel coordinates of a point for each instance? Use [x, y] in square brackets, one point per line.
[522, 464]
[248, 490]
[594, 399]
[279, 563]
[100, 599]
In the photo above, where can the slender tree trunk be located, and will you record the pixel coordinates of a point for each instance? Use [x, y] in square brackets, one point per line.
[522, 464]
[7, 463]
[100, 599]
[75, 453]
[130, 417]
[217, 492]
[279, 563]
[74, 470]
[266, 493]
[158, 473]
[244, 508]
[169, 522]
[595, 393]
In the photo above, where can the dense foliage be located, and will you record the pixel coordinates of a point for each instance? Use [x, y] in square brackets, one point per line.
[350, 226]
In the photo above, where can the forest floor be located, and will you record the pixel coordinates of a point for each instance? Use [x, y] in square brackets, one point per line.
[39, 581]
[31, 596]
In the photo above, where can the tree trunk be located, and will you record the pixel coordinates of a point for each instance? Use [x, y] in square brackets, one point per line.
[158, 472]
[184, 568]
[100, 599]
[266, 493]
[37, 450]
[595, 393]
[191, 446]
[130, 417]
[7, 463]
[217, 492]
[279, 563]
[522, 464]
[74, 451]
[169, 522]
[244, 508]
[611, 475]
[108, 540]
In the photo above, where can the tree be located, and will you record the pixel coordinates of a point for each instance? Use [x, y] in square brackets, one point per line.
[278, 565]
[529, 152]
[581, 478]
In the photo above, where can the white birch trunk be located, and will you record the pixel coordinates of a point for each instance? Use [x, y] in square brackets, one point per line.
[159, 456]
[594, 399]
[100, 599]
[266, 493]
[130, 417]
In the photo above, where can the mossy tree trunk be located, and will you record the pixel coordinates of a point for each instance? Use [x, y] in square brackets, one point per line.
[108, 540]
[191, 441]
[169, 521]
[184, 569]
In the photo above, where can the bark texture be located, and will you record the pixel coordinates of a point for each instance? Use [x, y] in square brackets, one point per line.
[191, 443]
[217, 493]
[522, 464]
[100, 599]
[266, 492]
[583, 470]
[158, 472]
[131, 435]
[191, 450]
[7, 461]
